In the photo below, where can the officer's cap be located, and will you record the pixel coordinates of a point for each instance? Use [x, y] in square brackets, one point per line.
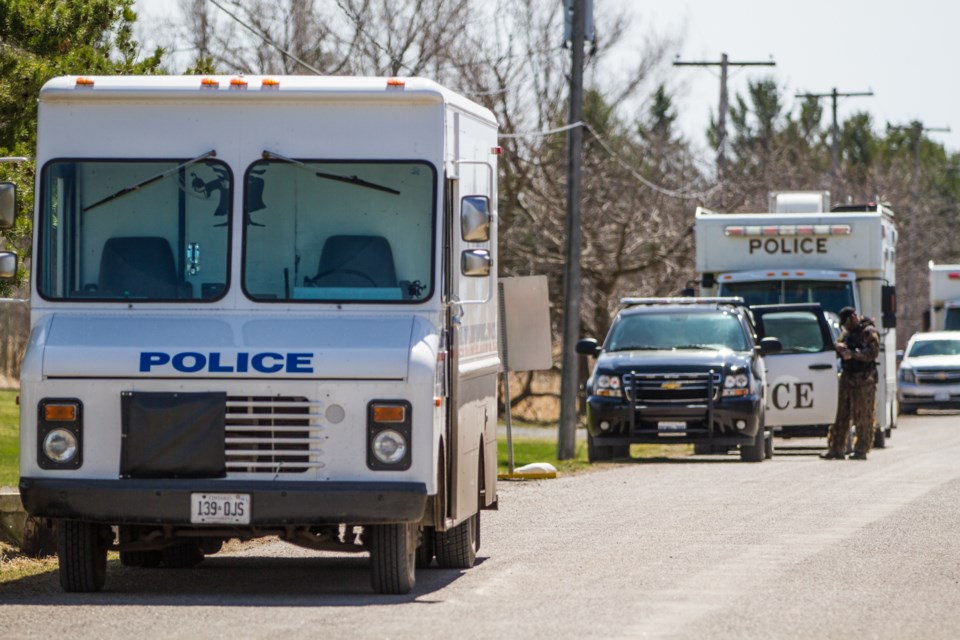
[846, 312]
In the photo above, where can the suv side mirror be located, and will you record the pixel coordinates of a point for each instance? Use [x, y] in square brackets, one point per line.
[768, 346]
[8, 204]
[588, 347]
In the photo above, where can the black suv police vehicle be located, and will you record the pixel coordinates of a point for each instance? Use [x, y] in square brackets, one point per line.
[679, 370]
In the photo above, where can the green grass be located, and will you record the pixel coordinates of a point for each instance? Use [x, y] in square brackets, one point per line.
[9, 438]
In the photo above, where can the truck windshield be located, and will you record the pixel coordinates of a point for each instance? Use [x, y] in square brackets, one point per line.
[339, 231]
[120, 230]
[677, 330]
[951, 321]
[832, 295]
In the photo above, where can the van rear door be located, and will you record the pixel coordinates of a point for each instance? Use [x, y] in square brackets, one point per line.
[802, 378]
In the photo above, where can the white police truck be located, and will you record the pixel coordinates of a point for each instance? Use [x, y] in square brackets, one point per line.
[261, 306]
[804, 252]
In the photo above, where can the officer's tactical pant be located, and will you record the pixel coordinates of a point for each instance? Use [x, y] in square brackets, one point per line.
[856, 404]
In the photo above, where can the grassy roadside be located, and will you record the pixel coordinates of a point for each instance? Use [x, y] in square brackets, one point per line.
[9, 438]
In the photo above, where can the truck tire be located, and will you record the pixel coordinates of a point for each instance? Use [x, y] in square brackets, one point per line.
[182, 555]
[82, 551]
[755, 451]
[393, 557]
[457, 547]
[597, 452]
[879, 439]
[768, 447]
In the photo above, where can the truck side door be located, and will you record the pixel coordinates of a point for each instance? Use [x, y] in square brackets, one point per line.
[802, 378]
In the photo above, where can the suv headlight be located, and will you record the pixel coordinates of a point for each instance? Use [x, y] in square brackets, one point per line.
[607, 385]
[906, 375]
[737, 384]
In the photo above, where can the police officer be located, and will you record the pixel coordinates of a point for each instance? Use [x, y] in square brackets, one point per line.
[858, 348]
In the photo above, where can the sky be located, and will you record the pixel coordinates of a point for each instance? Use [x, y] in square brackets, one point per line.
[901, 51]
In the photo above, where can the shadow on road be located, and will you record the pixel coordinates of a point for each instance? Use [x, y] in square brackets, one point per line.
[232, 581]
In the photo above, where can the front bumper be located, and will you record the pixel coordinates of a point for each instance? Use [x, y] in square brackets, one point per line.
[702, 422]
[167, 501]
[928, 396]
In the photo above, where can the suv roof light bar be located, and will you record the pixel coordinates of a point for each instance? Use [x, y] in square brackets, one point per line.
[730, 300]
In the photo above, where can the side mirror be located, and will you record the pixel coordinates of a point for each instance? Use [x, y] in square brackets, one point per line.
[8, 265]
[588, 347]
[475, 218]
[475, 263]
[888, 306]
[8, 204]
[769, 346]
[708, 281]
[899, 356]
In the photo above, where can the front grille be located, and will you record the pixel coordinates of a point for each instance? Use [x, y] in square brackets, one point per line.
[938, 376]
[667, 388]
[272, 434]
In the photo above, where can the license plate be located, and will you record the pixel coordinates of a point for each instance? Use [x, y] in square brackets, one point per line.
[671, 427]
[220, 508]
[941, 396]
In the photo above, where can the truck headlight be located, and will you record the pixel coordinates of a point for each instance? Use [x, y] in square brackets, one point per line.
[60, 433]
[736, 384]
[389, 433]
[60, 445]
[906, 375]
[389, 446]
[608, 386]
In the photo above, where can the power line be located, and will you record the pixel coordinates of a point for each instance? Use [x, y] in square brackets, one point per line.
[264, 37]
[833, 95]
[723, 63]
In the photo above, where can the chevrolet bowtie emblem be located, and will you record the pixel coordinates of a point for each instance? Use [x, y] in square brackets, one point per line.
[941, 375]
[671, 385]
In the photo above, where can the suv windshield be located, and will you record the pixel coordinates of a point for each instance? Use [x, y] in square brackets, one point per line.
[677, 330]
[113, 230]
[938, 347]
[339, 231]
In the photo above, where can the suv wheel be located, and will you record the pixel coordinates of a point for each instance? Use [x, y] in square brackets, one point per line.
[756, 451]
[597, 452]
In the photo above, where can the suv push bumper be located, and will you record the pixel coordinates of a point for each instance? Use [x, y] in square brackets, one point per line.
[726, 413]
[167, 501]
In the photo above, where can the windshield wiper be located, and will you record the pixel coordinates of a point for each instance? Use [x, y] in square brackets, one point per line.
[160, 176]
[696, 346]
[354, 180]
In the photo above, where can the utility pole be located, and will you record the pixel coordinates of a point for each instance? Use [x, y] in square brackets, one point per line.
[723, 63]
[835, 131]
[569, 382]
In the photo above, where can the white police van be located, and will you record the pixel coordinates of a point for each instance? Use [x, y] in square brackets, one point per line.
[261, 306]
[803, 251]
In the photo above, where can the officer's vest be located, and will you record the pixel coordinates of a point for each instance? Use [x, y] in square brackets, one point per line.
[856, 340]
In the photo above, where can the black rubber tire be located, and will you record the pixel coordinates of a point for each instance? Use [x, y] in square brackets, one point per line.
[457, 547]
[596, 452]
[620, 451]
[147, 558]
[393, 551]
[182, 555]
[879, 439]
[82, 551]
[756, 451]
[425, 550]
[768, 447]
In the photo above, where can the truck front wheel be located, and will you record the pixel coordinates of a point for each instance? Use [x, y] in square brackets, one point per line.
[393, 551]
[82, 551]
[457, 548]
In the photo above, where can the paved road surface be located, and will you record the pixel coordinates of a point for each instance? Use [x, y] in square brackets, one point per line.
[704, 547]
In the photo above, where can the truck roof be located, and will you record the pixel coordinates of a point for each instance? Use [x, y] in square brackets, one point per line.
[240, 87]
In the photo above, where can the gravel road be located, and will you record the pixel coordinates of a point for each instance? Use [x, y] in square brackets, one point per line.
[698, 547]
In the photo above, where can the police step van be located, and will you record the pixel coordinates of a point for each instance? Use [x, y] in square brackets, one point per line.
[262, 306]
[944, 312]
[804, 252]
